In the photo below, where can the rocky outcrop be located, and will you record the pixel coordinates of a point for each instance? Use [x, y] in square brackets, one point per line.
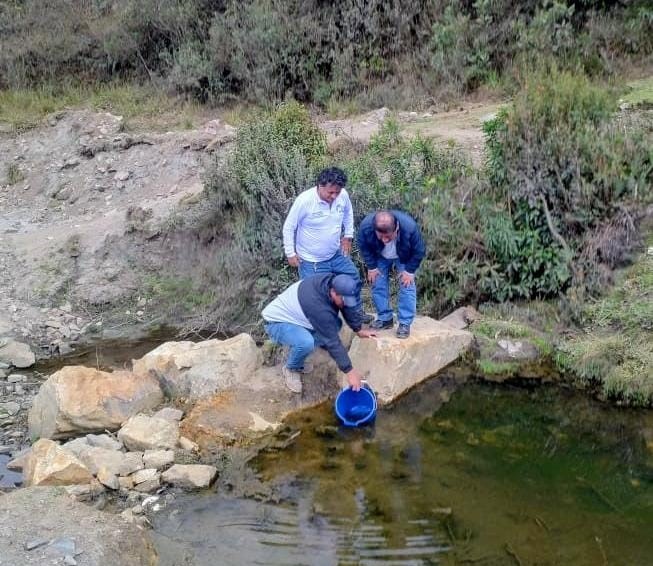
[17, 354]
[78, 399]
[393, 366]
[196, 370]
[50, 464]
[44, 525]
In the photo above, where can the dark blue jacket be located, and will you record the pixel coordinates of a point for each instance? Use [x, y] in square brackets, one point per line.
[322, 313]
[410, 246]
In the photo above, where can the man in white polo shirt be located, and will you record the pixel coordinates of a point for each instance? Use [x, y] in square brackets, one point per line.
[319, 230]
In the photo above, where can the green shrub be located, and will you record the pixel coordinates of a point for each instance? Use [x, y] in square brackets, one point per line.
[569, 174]
[378, 51]
[276, 156]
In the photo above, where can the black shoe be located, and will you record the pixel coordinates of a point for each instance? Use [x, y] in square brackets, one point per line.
[403, 331]
[382, 324]
[367, 318]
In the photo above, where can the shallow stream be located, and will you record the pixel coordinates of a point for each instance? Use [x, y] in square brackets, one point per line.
[499, 475]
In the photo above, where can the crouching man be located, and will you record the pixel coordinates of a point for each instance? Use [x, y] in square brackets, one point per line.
[305, 316]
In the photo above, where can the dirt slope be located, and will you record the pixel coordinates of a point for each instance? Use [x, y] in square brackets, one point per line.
[82, 197]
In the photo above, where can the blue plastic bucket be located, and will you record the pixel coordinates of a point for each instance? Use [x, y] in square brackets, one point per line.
[356, 408]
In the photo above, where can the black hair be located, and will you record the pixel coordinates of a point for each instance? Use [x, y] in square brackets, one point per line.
[332, 175]
[385, 227]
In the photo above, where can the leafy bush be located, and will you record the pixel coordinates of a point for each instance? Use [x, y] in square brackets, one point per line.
[566, 169]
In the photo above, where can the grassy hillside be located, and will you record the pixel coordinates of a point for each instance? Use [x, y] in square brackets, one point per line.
[381, 52]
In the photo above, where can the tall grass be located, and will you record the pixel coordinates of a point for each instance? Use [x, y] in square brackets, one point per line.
[147, 106]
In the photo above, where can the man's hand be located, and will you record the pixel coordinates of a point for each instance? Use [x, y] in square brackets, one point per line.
[345, 245]
[406, 278]
[366, 333]
[354, 378]
[293, 261]
[372, 274]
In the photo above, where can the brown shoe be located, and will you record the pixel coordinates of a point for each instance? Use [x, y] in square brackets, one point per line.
[292, 379]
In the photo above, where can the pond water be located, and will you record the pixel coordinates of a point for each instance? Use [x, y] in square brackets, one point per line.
[498, 475]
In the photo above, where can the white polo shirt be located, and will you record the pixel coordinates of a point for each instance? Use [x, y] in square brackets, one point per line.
[313, 228]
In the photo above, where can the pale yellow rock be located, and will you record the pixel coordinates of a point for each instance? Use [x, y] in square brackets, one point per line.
[187, 444]
[392, 365]
[198, 369]
[158, 458]
[149, 433]
[260, 424]
[126, 482]
[49, 464]
[190, 476]
[106, 478]
[79, 399]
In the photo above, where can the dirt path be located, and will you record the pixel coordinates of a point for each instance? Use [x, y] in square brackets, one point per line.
[461, 127]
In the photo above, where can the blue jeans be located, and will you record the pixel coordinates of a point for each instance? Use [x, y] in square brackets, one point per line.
[302, 341]
[407, 300]
[338, 264]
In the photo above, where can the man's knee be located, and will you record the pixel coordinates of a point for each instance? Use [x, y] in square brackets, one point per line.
[305, 344]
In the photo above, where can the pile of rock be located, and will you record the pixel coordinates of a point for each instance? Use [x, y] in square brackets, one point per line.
[16, 392]
[139, 457]
[230, 397]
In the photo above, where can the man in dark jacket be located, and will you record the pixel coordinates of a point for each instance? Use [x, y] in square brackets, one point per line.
[305, 315]
[387, 239]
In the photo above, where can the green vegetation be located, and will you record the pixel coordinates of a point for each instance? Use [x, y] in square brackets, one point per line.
[139, 105]
[380, 52]
[614, 352]
[554, 210]
[176, 295]
[640, 93]
[490, 368]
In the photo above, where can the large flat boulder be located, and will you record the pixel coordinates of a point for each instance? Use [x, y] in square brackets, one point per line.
[393, 365]
[258, 405]
[196, 370]
[50, 464]
[52, 525]
[78, 399]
